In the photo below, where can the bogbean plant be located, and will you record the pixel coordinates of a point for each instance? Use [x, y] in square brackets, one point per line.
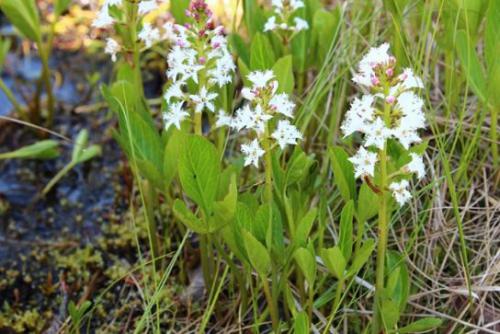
[265, 210]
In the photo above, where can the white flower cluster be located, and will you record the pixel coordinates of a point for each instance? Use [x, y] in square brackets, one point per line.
[399, 117]
[149, 35]
[283, 10]
[105, 20]
[264, 104]
[200, 54]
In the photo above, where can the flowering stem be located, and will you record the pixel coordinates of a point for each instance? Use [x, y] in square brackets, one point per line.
[133, 10]
[198, 123]
[383, 228]
[268, 168]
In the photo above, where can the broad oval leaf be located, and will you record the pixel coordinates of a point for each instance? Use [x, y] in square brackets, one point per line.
[257, 254]
[262, 55]
[188, 218]
[343, 173]
[283, 70]
[199, 171]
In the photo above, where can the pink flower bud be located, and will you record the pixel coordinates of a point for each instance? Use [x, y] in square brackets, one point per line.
[389, 72]
[202, 60]
[390, 99]
[403, 77]
[375, 81]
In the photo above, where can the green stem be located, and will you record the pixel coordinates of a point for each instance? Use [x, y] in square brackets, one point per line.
[383, 231]
[12, 99]
[57, 178]
[271, 305]
[493, 135]
[268, 168]
[336, 305]
[205, 260]
[44, 56]
[136, 52]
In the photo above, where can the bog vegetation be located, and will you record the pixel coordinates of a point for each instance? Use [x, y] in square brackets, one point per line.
[302, 166]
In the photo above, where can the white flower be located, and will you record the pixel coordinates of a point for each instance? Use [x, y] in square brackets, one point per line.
[204, 100]
[374, 57]
[286, 134]
[149, 35]
[112, 48]
[260, 79]
[103, 19]
[175, 90]
[270, 24]
[169, 32]
[278, 4]
[377, 133]
[358, 116]
[282, 104]
[296, 4]
[243, 118]
[252, 152]
[248, 94]
[223, 119]
[258, 119]
[300, 24]
[406, 135]
[147, 6]
[411, 107]
[108, 3]
[175, 115]
[416, 165]
[399, 192]
[364, 162]
[410, 80]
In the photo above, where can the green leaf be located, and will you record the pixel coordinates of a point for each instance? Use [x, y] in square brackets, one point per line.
[390, 313]
[307, 264]
[45, 149]
[225, 210]
[24, 16]
[257, 254]
[334, 261]
[244, 71]
[178, 10]
[346, 227]
[299, 51]
[199, 171]
[89, 153]
[298, 166]
[422, 325]
[172, 151]
[343, 173]
[254, 19]
[4, 50]
[367, 203]
[283, 70]
[325, 28]
[80, 143]
[301, 323]
[361, 257]
[60, 6]
[188, 218]
[304, 227]
[471, 65]
[262, 56]
[239, 47]
[492, 33]
[398, 282]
